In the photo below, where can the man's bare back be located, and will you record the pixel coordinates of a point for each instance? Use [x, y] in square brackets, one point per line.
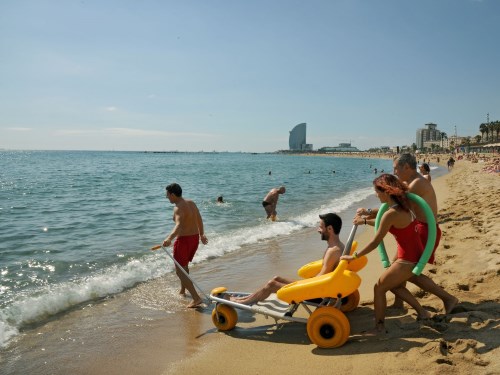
[423, 188]
[187, 215]
[418, 185]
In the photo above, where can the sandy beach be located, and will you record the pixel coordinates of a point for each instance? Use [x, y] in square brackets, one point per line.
[463, 342]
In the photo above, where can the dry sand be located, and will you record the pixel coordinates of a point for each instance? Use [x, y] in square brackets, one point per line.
[464, 342]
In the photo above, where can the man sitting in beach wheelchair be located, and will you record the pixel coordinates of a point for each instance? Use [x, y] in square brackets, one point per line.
[329, 286]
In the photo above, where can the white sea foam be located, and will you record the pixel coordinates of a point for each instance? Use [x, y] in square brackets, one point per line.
[226, 243]
[30, 308]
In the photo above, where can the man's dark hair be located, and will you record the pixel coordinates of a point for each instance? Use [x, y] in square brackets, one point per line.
[174, 189]
[332, 219]
[407, 159]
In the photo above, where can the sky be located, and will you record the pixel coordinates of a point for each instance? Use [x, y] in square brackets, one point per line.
[238, 75]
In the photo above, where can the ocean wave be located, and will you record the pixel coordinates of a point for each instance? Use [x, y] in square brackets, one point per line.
[36, 306]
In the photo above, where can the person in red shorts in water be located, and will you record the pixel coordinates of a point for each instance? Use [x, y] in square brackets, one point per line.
[188, 231]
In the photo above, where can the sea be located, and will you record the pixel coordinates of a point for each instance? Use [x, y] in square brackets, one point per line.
[76, 227]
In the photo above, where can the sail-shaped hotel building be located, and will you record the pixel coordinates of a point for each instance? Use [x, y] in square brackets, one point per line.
[297, 140]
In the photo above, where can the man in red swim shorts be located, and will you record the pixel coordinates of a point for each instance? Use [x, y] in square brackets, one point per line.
[188, 231]
[185, 247]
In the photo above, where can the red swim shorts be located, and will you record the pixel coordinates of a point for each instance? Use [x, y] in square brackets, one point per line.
[185, 247]
[423, 230]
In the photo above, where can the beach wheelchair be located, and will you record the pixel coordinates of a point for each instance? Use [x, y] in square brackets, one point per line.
[326, 299]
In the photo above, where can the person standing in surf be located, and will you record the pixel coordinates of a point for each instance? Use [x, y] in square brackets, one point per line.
[188, 231]
[271, 201]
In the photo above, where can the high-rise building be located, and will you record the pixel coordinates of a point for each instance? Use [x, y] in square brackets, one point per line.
[297, 140]
[427, 135]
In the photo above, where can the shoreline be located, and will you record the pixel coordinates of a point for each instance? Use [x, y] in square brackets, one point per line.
[463, 342]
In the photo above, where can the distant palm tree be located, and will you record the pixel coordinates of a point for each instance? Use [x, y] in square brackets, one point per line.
[496, 126]
[491, 129]
[443, 137]
[478, 138]
[483, 128]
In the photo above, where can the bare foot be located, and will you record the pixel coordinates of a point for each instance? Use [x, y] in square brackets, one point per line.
[182, 292]
[450, 305]
[195, 303]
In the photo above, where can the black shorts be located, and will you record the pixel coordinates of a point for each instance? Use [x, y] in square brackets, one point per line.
[265, 204]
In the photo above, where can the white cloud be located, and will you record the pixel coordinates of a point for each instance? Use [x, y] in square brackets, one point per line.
[111, 109]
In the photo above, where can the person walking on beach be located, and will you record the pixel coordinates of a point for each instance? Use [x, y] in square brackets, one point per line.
[400, 221]
[329, 229]
[188, 231]
[450, 163]
[271, 201]
[405, 168]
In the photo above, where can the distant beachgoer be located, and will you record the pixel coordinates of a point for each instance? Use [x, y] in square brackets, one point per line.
[188, 231]
[269, 173]
[220, 199]
[425, 171]
[451, 163]
[271, 201]
[329, 228]
[375, 170]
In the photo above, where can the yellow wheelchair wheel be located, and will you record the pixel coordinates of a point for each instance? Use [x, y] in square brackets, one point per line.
[350, 302]
[224, 317]
[328, 327]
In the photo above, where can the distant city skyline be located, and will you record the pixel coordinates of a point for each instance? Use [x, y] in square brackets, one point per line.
[237, 76]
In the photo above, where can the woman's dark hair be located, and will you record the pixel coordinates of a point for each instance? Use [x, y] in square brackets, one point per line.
[387, 183]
